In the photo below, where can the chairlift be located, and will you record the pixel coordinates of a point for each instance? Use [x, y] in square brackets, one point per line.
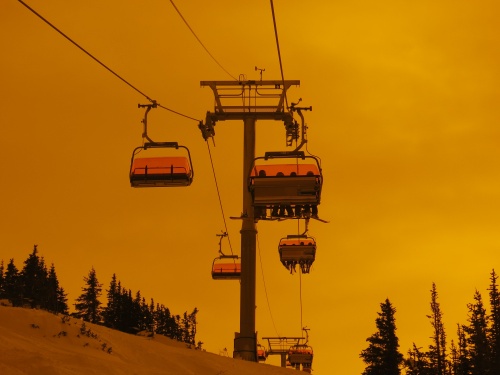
[261, 353]
[226, 267]
[301, 354]
[161, 171]
[297, 249]
[290, 189]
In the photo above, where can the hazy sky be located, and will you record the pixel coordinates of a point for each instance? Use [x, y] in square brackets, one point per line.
[405, 119]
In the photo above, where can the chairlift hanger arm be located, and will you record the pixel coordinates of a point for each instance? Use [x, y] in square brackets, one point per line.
[145, 119]
[222, 235]
[294, 108]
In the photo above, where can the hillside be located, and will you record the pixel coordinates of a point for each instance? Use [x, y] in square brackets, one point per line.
[37, 342]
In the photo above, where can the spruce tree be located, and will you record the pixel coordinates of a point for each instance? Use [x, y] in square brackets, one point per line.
[13, 287]
[417, 362]
[2, 291]
[494, 324]
[88, 306]
[111, 311]
[461, 363]
[34, 280]
[382, 356]
[437, 350]
[476, 337]
[57, 300]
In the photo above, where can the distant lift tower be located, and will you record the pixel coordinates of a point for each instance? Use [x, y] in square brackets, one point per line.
[248, 101]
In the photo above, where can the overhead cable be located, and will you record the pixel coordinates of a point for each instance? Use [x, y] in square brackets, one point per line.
[101, 63]
[265, 288]
[199, 41]
[278, 47]
[220, 199]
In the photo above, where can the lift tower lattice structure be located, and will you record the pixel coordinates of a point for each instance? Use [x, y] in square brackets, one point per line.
[248, 101]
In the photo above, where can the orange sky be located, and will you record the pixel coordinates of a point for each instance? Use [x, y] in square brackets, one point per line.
[405, 119]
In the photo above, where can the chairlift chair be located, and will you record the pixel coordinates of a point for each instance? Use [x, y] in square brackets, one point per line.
[295, 183]
[161, 171]
[261, 353]
[297, 249]
[226, 267]
[301, 354]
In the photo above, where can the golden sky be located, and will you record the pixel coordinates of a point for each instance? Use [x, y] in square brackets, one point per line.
[405, 119]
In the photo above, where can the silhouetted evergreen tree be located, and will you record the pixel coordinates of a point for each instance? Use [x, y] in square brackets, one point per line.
[494, 324]
[2, 270]
[57, 301]
[146, 316]
[34, 279]
[417, 362]
[165, 322]
[454, 368]
[437, 350]
[462, 362]
[476, 337]
[111, 312]
[131, 319]
[136, 321]
[88, 306]
[188, 327]
[382, 356]
[150, 322]
[13, 287]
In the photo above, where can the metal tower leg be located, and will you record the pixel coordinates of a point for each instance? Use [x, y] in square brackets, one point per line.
[245, 345]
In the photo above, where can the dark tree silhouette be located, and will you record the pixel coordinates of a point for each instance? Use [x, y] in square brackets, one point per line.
[34, 279]
[13, 287]
[476, 337]
[382, 356]
[461, 363]
[437, 350]
[57, 301]
[2, 291]
[88, 306]
[417, 362]
[111, 312]
[188, 327]
[494, 324]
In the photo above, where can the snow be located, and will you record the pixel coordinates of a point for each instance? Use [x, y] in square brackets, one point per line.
[41, 343]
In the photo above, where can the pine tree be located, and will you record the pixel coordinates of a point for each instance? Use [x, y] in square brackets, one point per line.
[87, 304]
[111, 311]
[56, 298]
[382, 356]
[494, 324]
[189, 327]
[34, 280]
[2, 278]
[437, 350]
[417, 362]
[462, 362]
[476, 336]
[150, 322]
[62, 301]
[13, 287]
[454, 367]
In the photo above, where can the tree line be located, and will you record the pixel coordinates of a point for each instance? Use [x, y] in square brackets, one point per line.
[475, 352]
[35, 286]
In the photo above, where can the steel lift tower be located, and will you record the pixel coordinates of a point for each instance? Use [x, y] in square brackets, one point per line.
[248, 101]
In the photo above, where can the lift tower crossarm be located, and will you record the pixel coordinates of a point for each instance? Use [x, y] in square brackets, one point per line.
[263, 99]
